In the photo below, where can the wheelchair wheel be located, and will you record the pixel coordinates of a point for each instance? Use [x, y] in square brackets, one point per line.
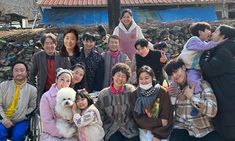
[35, 128]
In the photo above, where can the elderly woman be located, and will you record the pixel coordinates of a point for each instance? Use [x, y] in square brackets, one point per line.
[114, 107]
[218, 66]
[47, 107]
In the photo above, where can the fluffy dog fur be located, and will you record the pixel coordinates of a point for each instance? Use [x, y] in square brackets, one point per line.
[64, 101]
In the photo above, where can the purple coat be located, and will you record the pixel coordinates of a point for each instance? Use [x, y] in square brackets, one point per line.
[47, 112]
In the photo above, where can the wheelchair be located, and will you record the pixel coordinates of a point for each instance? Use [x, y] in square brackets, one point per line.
[35, 127]
[94, 96]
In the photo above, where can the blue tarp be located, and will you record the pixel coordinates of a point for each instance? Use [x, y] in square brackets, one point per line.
[206, 13]
[72, 16]
[94, 16]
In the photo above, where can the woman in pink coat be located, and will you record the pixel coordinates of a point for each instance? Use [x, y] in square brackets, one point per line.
[47, 107]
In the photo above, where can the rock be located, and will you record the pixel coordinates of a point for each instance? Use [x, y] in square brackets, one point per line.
[176, 28]
[22, 44]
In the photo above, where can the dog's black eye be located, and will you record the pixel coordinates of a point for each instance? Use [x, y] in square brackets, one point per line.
[64, 99]
[69, 98]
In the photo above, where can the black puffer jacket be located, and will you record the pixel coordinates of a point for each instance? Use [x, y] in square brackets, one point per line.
[218, 67]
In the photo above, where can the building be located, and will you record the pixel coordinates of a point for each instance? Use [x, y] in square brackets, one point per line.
[92, 12]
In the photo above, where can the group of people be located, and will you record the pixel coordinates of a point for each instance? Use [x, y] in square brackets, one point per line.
[132, 104]
[203, 108]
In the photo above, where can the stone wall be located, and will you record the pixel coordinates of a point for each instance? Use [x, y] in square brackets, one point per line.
[22, 46]
[14, 48]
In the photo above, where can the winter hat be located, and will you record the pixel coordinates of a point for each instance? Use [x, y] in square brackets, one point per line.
[60, 71]
[227, 31]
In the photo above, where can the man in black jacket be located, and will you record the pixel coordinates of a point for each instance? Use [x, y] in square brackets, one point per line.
[218, 67]
[152, 58]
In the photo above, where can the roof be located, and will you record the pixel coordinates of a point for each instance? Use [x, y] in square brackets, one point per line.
[103, 3]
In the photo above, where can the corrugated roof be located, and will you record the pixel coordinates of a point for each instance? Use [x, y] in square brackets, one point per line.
[103, 3]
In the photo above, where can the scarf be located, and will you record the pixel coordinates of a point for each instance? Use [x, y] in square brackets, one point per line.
[114, 54]
[145, 98]
[133, 25]
[12, 108]
[115, 91]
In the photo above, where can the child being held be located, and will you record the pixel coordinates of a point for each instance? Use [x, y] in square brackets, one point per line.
[192, 51]
[87, 118]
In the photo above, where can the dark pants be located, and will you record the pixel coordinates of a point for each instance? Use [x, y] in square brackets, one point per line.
[117, 136]
[15, 133]
[183, 135]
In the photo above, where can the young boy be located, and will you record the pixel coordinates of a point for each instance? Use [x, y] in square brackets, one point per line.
[192, 52]
[93, 62]
[153, 58]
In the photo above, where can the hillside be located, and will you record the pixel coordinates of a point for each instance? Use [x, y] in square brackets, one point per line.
[21, 7]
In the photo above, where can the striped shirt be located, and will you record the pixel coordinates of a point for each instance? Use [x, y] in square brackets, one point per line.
[199, 125]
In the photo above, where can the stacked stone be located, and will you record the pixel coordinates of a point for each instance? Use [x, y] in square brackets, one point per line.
[14, 51]
[22, 46]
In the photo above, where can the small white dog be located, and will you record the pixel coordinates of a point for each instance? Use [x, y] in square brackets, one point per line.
[64, 100]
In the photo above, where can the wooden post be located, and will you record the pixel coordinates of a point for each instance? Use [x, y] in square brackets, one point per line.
[113, 14]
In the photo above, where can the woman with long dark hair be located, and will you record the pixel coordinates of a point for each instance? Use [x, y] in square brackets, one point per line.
[70, 47]
[128, 32]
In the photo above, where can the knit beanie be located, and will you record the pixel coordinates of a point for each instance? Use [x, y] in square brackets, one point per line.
[227, 31]
[60, 71]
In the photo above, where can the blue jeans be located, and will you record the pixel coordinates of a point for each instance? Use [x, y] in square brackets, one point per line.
[16, 133]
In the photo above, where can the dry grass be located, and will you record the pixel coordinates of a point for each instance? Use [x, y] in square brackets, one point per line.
[16, 32]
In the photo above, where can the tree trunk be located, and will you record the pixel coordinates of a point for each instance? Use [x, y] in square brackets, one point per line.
[113, 14]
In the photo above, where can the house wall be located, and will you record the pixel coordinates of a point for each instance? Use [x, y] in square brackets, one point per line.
[203, 13]
[231, 13]
[93, 16]
[73, 16]
[222, 11]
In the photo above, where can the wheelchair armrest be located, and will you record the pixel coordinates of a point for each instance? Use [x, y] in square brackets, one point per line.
[29, 115]
[94, 94]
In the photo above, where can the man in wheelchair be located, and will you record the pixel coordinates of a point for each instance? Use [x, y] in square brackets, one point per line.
[17, 99]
